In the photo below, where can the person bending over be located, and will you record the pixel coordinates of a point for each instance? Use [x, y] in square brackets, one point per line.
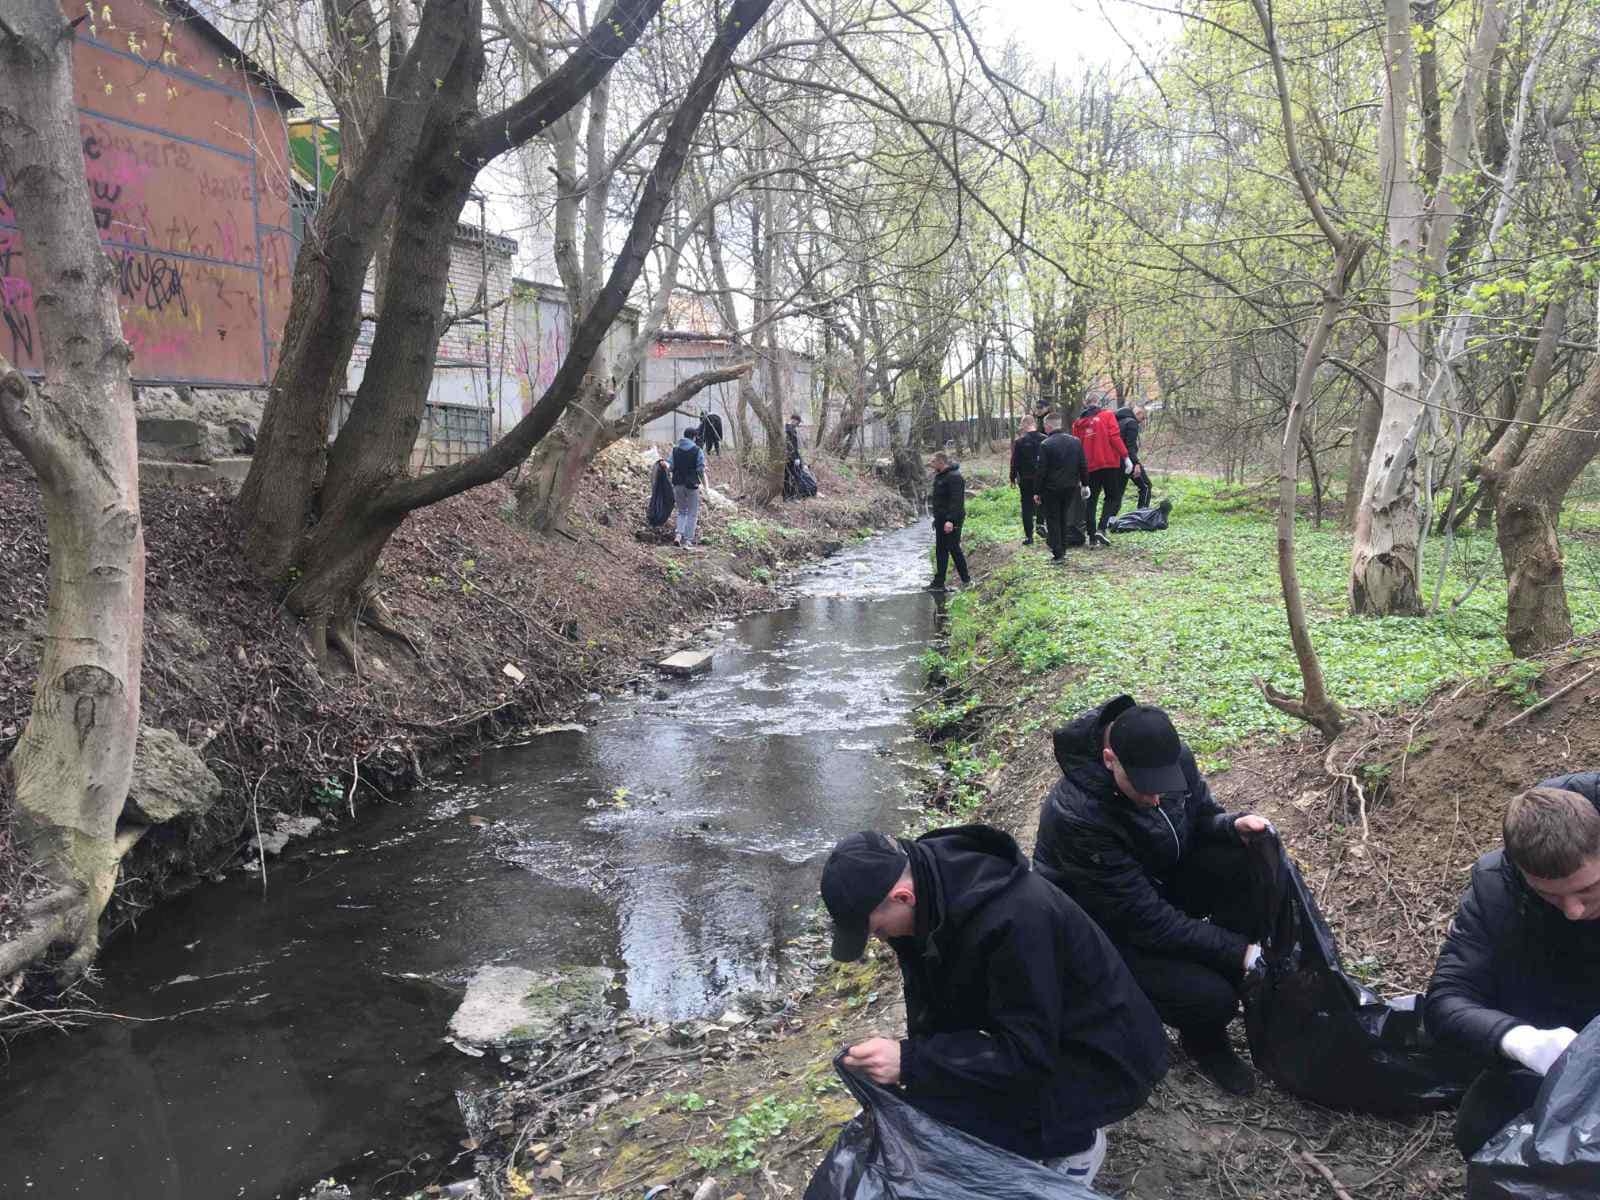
[1023, 1027]
[1130, 831]
[1519, 972]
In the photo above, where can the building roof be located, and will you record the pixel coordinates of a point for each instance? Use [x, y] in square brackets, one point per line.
[193, 17]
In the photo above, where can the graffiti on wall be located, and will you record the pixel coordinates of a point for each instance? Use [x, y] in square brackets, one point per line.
[199, 243]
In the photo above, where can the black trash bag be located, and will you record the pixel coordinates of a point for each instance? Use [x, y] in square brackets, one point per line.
[661, 497]
[1321, 1035]
[1142, 520]
[798, 481]
[892, 1151]
[1552, 1151]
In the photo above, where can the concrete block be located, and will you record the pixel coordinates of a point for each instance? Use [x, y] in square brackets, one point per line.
[153, 473]
[172, 438]
[686, 662]
[232, 469]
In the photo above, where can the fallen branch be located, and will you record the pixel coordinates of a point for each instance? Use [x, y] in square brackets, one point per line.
[23, 950]
[1550, 699]
[1317, 1165]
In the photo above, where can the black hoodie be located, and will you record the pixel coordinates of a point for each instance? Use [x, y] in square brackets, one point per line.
[948, 499]
[1128, 424]
[1111, 855]
[1061, 463]
[1512, 958]
[1023, 1025]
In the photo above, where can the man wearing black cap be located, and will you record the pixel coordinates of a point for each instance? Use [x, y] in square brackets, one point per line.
[1131, 832]
[1023, 1026]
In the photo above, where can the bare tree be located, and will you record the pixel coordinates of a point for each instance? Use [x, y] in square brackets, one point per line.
[319, 520]
[75, 426]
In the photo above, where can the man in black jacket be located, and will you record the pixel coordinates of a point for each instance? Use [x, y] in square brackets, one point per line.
[1025, 472]
[1023, 1027]
[1063, 486]
[1131, 833]
[1519, 972]
[948, 503]
[1130, 421]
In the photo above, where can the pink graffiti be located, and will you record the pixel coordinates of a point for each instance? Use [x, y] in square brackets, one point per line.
[147, 346]
[14, 289]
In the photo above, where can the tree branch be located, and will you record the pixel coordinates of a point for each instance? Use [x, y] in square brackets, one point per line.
[614, 33]
[408, 494]
[629, 425]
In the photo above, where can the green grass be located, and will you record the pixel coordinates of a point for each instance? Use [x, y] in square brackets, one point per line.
[1190, 617]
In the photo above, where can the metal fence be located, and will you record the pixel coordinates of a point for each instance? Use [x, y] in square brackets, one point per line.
[450, 433]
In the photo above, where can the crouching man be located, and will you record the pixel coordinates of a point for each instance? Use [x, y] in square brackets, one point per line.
[1131, 832]
[1519, 973]
[1023, 1026]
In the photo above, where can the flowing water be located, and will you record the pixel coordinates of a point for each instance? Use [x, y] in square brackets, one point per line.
[676, 840]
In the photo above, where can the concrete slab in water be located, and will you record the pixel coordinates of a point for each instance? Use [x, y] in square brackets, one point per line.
[504, 1005]
[686, 662]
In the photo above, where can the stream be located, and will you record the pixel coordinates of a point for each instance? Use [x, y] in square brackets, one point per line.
[676, 839]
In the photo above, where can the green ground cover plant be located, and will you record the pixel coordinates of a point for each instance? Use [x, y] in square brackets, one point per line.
[1192, 616]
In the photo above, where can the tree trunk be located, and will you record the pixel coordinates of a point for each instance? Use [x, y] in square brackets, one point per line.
[560, 459]
[325, 309]
[558, 462]
[1527, 504]
[74, 761]
[1362, 439]
[1389, 525]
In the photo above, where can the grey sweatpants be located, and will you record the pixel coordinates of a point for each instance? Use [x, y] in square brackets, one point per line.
[688, 499]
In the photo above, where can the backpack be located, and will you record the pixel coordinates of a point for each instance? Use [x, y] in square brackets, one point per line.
[686, 466]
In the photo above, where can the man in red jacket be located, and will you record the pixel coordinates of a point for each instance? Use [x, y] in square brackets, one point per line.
[1109, 463]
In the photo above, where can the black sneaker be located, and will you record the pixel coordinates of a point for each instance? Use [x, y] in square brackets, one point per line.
[1027, 541]
[1099, 539]
[1224, 1068]
[936, 586]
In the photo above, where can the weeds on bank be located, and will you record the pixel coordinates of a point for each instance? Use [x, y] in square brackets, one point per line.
[1192, 616]
[744, 1137]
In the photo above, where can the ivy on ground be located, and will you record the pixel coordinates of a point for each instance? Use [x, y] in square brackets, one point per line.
[1191, 617]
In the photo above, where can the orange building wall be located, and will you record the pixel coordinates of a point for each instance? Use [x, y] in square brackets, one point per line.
[187, 163]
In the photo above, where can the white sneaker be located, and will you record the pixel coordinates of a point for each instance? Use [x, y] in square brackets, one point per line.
[1083, 1166]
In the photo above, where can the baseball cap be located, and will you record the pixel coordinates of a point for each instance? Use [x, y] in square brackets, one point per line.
[1148, 748]
[860, 871]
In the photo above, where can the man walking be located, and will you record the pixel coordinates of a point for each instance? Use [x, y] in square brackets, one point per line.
[948, 502]
[1129, 423]
[1023, 1027]
[791, 437]
[1109, 465]
[1519, 973]
[1131, 833]
[1025, 472]
[688, 473]
[1062, 486]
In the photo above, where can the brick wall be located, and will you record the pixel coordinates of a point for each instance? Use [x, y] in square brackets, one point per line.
[459, 375]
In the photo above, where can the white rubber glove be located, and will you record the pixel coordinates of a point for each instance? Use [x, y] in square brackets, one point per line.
[1536, 1049]
[1083, 492]
[1252, 955]
[1127, 466]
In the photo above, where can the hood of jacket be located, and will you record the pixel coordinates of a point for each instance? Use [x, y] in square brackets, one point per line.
[1125, 413]
[687, 443]
[968, 866]
[1089, 410]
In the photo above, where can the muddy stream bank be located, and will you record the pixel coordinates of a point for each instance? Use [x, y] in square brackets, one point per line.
[673, 840]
